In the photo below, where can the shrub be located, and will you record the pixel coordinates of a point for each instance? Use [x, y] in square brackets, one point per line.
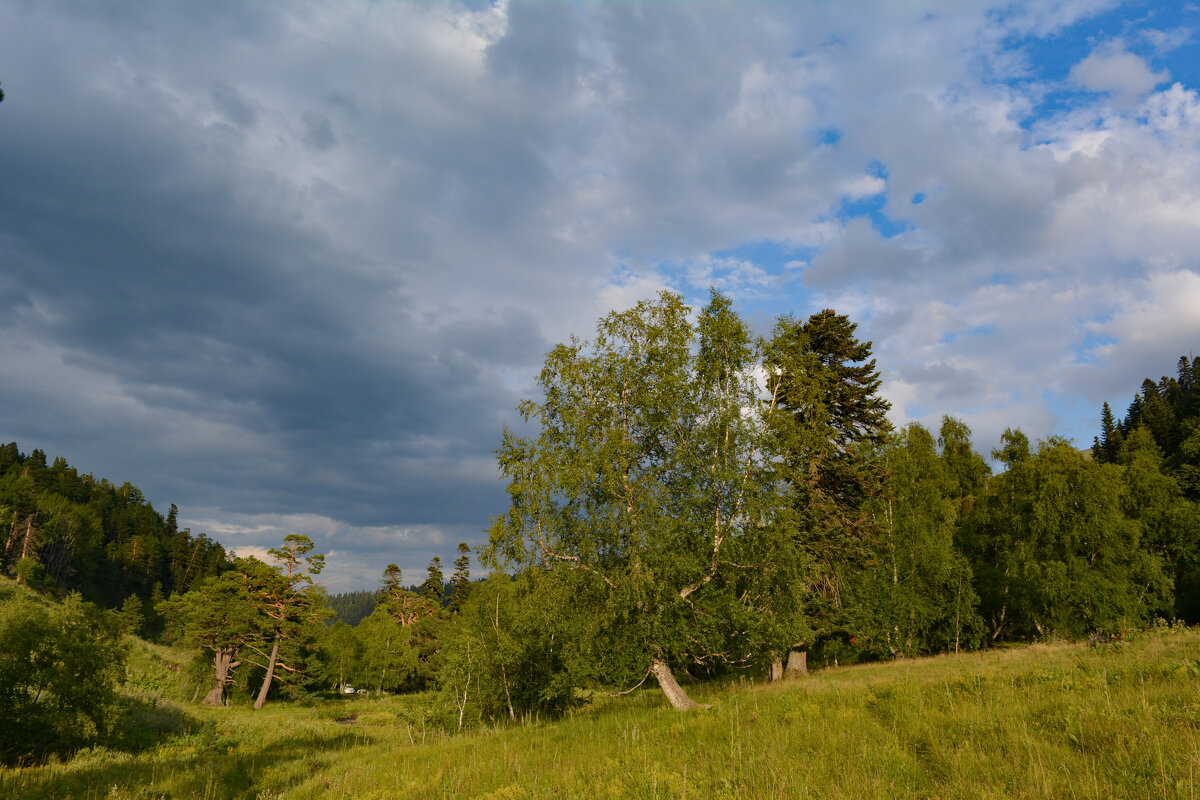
[59, 671]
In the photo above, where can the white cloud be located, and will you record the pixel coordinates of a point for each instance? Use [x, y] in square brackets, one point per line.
[863, 186]
[1111, 68]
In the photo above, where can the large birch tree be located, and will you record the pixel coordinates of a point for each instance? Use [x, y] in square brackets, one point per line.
[648, 484]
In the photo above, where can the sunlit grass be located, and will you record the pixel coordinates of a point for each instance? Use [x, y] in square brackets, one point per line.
[1043, 721]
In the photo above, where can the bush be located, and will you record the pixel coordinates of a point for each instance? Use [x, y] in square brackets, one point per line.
[59, 671]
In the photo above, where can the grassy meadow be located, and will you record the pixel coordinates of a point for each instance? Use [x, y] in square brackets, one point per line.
[1051, 720]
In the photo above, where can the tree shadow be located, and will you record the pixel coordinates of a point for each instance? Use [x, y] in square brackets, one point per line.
[204, 759]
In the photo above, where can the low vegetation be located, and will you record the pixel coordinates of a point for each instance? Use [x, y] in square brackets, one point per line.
[1051, 720]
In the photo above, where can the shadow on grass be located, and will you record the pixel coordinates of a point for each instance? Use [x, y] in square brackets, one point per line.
[206, 760]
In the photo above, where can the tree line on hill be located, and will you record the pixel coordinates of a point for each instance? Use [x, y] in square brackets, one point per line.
[687, 500]
[74, 532]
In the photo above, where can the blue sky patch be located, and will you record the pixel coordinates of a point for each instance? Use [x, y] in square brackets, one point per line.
[1164, 35]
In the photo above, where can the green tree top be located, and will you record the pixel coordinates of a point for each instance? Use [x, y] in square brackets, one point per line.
[648, 483]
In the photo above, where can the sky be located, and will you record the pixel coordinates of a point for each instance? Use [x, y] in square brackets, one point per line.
[292, 265]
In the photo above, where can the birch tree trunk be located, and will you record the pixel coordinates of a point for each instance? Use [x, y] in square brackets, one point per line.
[797, 663]
[675, 694]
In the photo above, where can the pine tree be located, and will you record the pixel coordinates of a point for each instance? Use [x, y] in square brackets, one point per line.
[403, 606]
[288, 599]
[460, 584]
[434, 586]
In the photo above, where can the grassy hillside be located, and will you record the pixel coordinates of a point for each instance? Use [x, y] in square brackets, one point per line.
[1044, 721]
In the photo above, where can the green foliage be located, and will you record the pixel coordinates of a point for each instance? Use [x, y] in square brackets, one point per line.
[131, 614]
[220, 617]
[827, 434]
[434, 586]
[1169, 523]
[29, 571]
[293, 605]
[339, 655]
[389, 657]
[1054, 549]
[504, 654]
[649, 478]
[92, 536]
[399, 641]
[460, 583]
[920, 598]
[59, 670]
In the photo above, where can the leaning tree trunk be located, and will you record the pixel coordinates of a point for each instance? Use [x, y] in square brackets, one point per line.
[797, 663]
[671, 688]
[266, 687]
[223, 664]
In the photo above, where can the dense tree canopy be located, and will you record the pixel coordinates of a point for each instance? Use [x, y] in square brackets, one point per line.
[89, 535]
[649, 483]
[1054, 549]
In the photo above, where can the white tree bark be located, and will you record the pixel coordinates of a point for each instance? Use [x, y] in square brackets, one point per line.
[797, 664]
[675, 694]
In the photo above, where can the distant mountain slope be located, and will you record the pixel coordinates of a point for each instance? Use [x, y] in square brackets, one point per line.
[77, 532]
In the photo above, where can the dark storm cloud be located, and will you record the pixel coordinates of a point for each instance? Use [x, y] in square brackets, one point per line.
[135, 249]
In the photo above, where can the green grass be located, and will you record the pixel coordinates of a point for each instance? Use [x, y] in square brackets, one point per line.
[1043, 721]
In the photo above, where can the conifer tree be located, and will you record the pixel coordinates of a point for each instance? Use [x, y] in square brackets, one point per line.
[288, 598]
[434, 586]
[219, 616]
[401, 635]
[1106, 447]
[460, 583]
[835, 421]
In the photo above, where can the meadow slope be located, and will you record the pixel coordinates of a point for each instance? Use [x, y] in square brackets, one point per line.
[1051, 720]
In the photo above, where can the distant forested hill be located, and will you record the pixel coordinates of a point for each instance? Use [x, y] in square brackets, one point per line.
[77, 532]
[353, 607]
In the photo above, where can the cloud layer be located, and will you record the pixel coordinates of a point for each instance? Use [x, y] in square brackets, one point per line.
[292, 267]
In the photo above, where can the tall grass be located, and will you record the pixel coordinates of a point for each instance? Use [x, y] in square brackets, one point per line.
[1044, 721]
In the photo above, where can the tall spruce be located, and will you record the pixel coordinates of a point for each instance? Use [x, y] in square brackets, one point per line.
[460, 583]
[827, 385]
[434, 586]
[1107, 445]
